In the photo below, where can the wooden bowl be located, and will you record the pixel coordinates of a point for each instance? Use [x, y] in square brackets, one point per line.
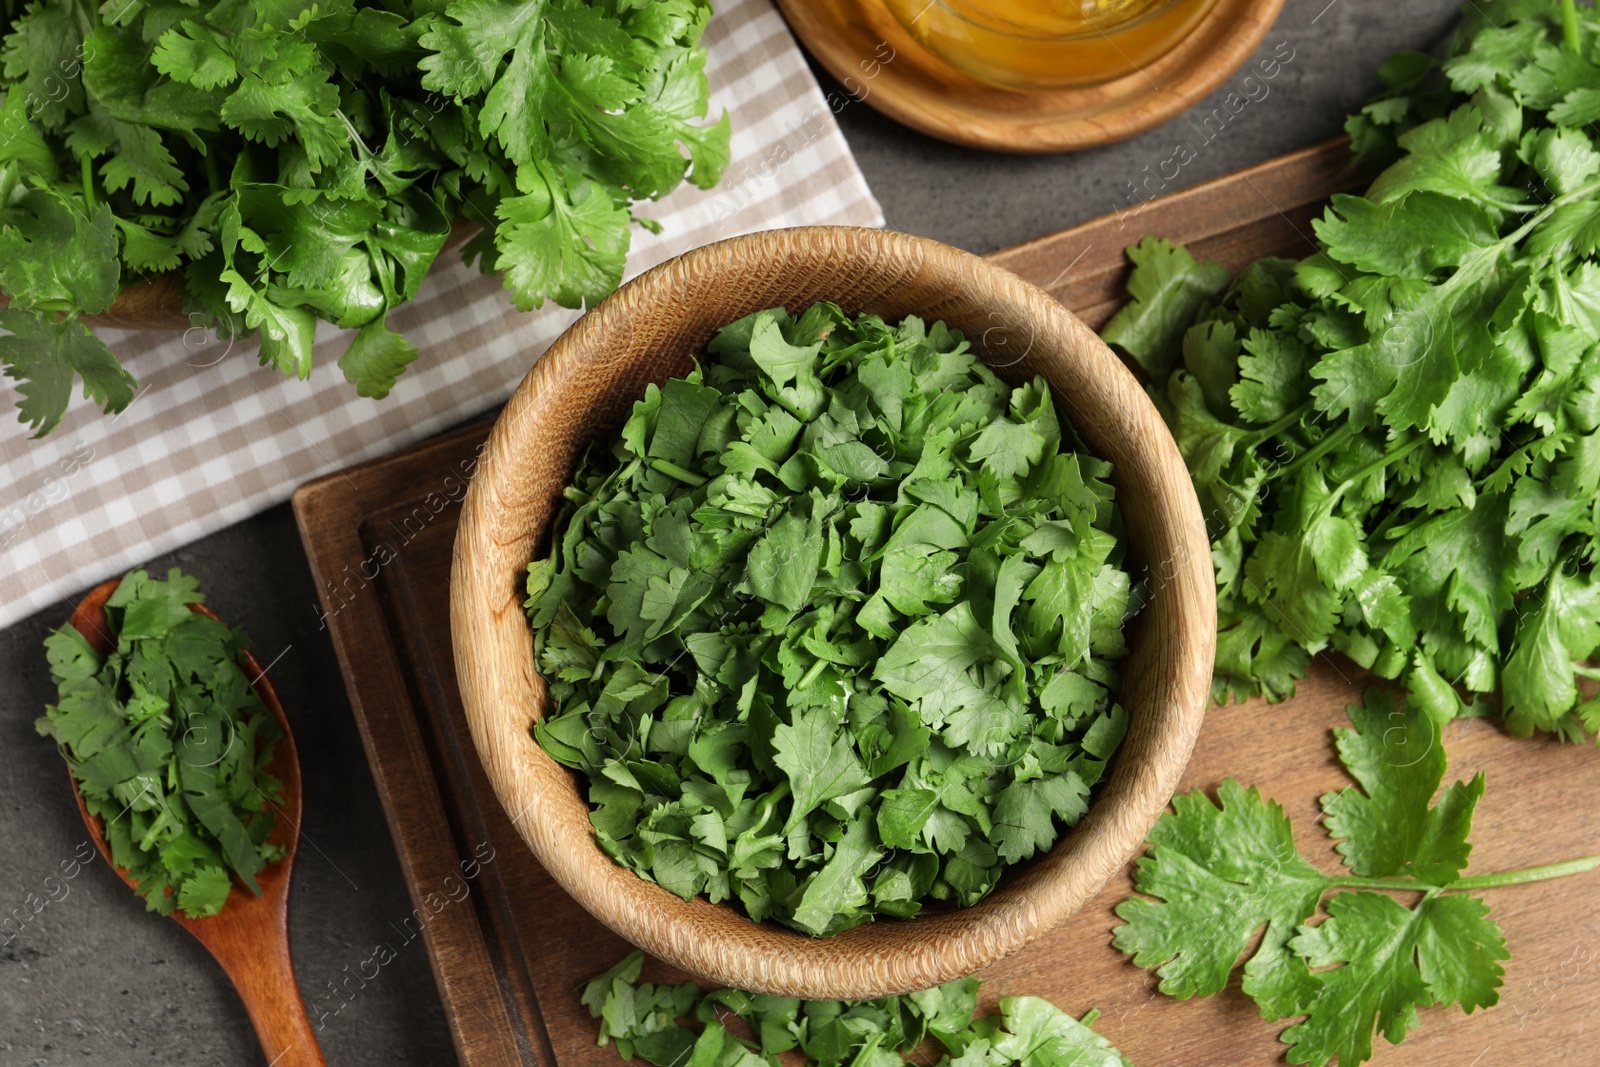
[584, 387]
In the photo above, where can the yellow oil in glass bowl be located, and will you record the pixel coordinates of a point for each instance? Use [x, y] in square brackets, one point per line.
[1049, 44]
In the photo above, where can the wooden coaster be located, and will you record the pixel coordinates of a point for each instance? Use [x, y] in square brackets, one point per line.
[883, 66]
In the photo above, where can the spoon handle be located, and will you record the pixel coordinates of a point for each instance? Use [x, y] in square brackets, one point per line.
[264, 976]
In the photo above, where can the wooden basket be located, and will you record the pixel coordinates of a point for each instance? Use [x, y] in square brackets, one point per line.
[156, 303]
[585, 386]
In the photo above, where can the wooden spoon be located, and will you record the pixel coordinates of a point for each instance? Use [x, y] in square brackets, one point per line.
[250, 937]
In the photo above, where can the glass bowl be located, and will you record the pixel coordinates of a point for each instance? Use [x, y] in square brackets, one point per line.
[1049, 44]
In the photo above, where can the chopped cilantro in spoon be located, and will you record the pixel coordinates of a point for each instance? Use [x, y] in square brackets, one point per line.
[168, 743]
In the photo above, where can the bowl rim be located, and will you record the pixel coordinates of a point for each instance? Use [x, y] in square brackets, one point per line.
[1166, 687]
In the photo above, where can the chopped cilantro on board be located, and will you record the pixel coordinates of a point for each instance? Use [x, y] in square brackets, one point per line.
[168, 743]
[296, 162]
[647, 1021]
[1218, 874]
[831, 627]
[1397, 439]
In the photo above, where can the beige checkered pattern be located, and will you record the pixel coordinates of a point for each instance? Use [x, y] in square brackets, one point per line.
[211, 437]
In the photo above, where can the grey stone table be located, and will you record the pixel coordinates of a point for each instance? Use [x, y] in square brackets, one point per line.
[92, 979]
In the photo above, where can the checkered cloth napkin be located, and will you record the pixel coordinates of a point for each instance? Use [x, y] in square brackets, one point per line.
[211, 437]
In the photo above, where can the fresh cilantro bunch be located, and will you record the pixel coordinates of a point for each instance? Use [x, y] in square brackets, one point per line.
[168, 743]
[647, 1020]
[299, 161]
[831, 626]
[1398, 439]
[1221, 873]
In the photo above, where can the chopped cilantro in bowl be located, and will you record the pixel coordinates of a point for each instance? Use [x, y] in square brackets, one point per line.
[832, 626]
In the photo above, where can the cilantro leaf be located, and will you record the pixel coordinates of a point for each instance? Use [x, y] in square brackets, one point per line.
[1039, 1034]
[1168, 288]
[1025, 813]
[791, 369]
[43, 354]
[287, 333]
[552, 248]
[929, 666]
[1387, 825]
[1553, 631]
[820, 762]
[1272, 375]
[832, 897]
[1386, 961]
[375, 359]
[204, 892]
[56, 256]
[1221, 873]
[1409, 238]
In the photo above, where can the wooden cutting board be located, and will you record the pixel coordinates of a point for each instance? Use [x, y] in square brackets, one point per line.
[508, 947]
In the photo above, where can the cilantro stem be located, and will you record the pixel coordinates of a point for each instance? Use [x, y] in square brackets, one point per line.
[1326, 507]
[1529, 874]
[672, 470]
[361, 146]
[1410, 885]
[1479, 881]
[1378, 531]
[86, 171]
[1383, 461]
[1508, 206]
[769, 803]
[811, 674]
[1569, 26]
[1511, 239]
[1316, 451]
[1255, 437]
